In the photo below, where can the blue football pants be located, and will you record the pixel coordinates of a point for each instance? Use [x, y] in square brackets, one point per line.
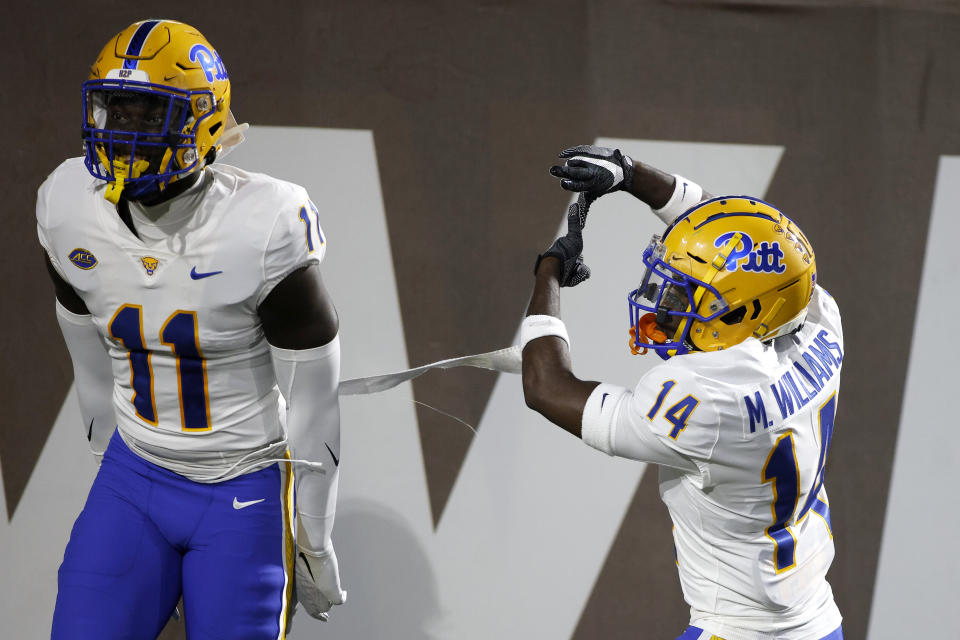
[147, 535]
[696, 633]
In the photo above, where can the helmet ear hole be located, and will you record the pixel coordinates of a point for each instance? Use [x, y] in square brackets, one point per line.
[756, 309]
[734, 317]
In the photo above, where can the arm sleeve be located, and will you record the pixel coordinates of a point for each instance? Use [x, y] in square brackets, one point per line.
[308, 380]
[610, 426]
[295, 241]
[92, 376]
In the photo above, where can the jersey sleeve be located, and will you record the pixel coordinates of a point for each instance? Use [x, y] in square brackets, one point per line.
[678, 410]
[610, 425]
[295, 241]
[44, 223]
[823, 310]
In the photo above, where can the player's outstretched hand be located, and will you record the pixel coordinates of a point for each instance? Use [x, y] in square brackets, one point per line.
[568, 248]
[594, 170]
[318, 582]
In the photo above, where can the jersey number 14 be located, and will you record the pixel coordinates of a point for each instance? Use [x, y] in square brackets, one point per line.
[782, 470]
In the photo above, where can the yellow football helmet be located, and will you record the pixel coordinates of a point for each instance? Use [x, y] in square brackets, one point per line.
[728, 269]
[154, 108]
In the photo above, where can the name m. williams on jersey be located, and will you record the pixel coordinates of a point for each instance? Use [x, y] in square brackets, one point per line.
[798, 385]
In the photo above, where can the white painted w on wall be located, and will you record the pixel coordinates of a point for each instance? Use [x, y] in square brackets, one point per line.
[533, 513]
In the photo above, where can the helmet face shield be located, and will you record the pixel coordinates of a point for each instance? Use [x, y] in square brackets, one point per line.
[130, 124]
[664, 306]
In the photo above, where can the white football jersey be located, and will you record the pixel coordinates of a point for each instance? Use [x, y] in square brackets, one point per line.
[194, 386]
[742, 437]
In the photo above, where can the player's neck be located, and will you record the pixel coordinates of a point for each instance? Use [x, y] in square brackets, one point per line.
[175, 189]
[153, 209]
[161, 209]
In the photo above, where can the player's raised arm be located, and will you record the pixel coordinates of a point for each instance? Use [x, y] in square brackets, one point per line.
[585, 409]
[549, 386]
[600, 170]
[301, 324]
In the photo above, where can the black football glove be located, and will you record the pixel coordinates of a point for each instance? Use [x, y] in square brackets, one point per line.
[568, 248]
[594, 170]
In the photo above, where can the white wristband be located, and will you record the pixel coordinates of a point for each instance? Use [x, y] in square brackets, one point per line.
[686, 193]
[534, 327]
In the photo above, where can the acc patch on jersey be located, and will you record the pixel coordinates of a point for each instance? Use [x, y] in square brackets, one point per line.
[82, 259]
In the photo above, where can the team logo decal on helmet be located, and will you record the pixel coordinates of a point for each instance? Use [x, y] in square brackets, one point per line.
[766, 258]
[209, 61]
[82, 259]
[728, 269]
[154, 108]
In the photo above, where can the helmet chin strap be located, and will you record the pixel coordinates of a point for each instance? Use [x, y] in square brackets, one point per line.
[121, 172]
[764, 327]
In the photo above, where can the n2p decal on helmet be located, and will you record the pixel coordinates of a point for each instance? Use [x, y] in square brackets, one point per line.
[767, 258]
[209, 61]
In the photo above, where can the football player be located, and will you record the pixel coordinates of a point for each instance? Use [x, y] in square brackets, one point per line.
[740, 414]
[191, 302]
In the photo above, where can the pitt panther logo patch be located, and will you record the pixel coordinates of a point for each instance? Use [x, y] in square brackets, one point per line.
[149, 264]
[766, 258]
[82, 259]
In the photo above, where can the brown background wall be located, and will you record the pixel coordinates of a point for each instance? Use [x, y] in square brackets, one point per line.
[468, 103]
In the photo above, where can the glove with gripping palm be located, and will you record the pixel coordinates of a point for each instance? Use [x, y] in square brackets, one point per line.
[568, 248]
[594, 170]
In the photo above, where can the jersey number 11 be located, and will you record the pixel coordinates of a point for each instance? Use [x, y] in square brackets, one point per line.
[180, 333]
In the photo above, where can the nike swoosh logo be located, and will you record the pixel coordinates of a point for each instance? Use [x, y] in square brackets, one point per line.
[90, 430]
[336, 460]
[309, 570]
[243, 505]
[684, 191]
[603, 399]
[197, 275]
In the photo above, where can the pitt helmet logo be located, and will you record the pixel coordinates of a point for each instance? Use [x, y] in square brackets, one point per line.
[149, 264]
[766, 258]
[209, 61]
[82, 259]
